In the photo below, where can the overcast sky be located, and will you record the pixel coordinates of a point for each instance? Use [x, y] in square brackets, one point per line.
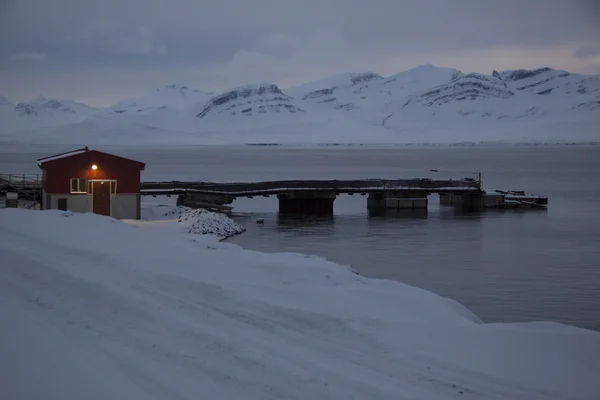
[99, 51]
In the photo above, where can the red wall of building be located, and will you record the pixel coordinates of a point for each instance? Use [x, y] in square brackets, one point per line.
[59, 172]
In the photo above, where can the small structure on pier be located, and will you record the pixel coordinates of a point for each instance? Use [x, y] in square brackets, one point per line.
[86, 180]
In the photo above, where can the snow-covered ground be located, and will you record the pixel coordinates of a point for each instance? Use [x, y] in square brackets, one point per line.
[97, 308]
[426, 104]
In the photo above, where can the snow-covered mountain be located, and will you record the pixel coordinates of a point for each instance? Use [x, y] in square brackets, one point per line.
[41, 112]
[370, 91]
[463, 87]
[261, 98]
[424, 104]
[171, 97]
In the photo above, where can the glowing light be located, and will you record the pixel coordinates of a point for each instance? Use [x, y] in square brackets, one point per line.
[94, 167]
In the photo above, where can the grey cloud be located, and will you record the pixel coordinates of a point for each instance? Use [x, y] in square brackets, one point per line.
[27, 56]
[385, 24]
[589, 51]
[224, 42]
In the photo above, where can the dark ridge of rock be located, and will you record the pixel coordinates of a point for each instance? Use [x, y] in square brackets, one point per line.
[53, 104]
[543, 81]
[463, 87]
[319, 93]
[25, 109]
[243, 93]
[519, 74]
[365, 77]
[266, 97]
[591, 105]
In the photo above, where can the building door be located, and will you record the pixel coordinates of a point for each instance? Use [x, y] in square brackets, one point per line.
[62, 204]
[101, 198]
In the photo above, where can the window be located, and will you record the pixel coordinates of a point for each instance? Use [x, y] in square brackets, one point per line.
[78, 185]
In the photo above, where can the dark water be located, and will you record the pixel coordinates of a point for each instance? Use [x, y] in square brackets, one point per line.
[505, 266]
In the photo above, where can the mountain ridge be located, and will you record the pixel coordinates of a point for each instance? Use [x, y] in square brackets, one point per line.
[404, 106]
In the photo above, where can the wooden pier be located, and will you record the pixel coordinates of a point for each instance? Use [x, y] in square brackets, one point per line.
[315, 197]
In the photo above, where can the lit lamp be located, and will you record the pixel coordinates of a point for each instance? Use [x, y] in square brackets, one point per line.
[94, 167]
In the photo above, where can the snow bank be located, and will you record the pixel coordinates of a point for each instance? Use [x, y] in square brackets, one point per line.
[96, 308]
[195, 221]
[204, 222]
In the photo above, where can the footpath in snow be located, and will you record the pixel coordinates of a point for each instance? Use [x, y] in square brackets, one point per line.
[95, 308]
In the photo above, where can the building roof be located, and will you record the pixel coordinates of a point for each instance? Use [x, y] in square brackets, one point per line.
[61, 155]
[44, 160]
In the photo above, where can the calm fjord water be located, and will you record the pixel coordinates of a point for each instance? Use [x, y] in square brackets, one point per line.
[505, 266]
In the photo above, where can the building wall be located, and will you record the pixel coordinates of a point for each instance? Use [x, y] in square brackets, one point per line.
[123, 206]
[75, 202]
[59, 172]
[126, 206]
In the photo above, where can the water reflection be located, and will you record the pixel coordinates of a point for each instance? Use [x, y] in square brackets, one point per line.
[303, 224]
[399, 214]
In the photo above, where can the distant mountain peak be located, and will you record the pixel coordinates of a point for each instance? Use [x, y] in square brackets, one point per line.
[364, 77]
[26, 109]
[259, 98]
[519, 74]
[471, 86]
[182, 89]
[5, 101]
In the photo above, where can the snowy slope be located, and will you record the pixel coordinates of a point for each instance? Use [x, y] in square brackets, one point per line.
[573, 90]
[369, 90]
[102, 309]
[546, 89]
[520, 105]
[474, 87]
[41, 112]
[171, 97]
[251, 100]
[426, 104]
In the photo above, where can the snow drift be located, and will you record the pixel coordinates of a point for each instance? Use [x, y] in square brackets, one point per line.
[103, 309]
[194, 221]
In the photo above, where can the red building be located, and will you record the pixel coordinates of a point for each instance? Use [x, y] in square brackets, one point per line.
[92, 181]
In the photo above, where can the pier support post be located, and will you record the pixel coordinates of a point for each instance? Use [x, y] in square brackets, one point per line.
[400, 200]
[473, 201]
[469, 201]
[451, 199]
[307, 202]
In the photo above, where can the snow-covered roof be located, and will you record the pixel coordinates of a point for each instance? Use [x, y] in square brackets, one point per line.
[44, 160]
[61, 155]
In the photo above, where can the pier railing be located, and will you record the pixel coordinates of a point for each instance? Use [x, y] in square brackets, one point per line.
[30, 182]
[339, 186]
[21, 180]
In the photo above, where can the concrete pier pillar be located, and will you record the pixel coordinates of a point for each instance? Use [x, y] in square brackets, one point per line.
[468, 201]
[307, 202]
[451, 199]
[399, 200]
[472, 202]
